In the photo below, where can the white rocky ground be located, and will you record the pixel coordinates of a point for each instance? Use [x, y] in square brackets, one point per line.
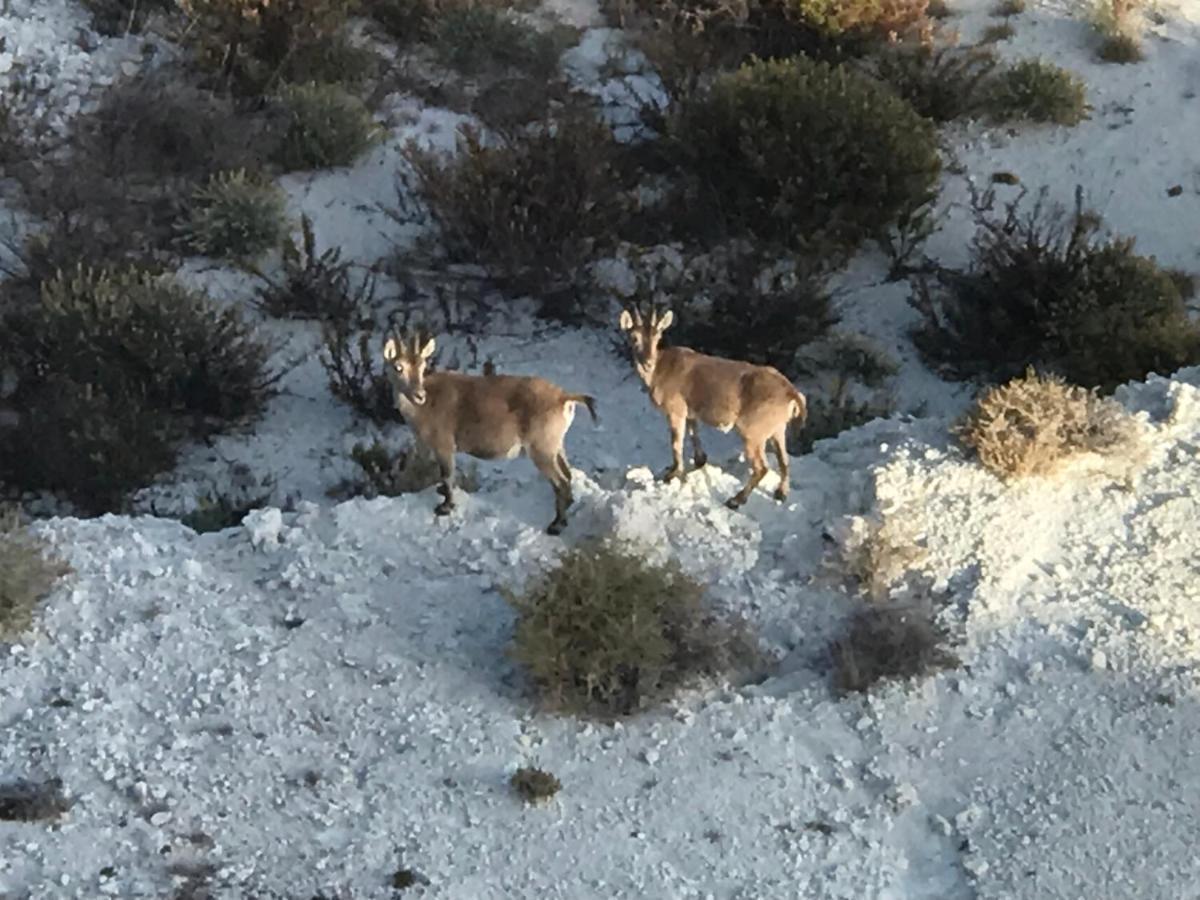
[311, 701]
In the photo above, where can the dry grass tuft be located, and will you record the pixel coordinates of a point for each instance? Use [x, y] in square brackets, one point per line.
[28, 571]
[1034, 424]
[879, 553]
[32, 801]
[890, 641]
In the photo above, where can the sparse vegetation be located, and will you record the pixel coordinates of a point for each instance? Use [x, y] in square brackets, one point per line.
[606, 633]
[997, 32]
[24, 800]
[218, 511]
[531, 209]
[316, 285]
[1119, 24]
[534, 785]
[1005, 8]
[251, 46]
[835, 411]
[324, 127]
[112, 370]
[941, 84]
[1034, 424]
[352, 364]
[1039, 91]
[761, 137]
[409, 470]
[117, 17]
[761, 314]
[474, 37]
[879, 553]
[1046, 290]
[892, 640]
[28, 571]
[237, 216]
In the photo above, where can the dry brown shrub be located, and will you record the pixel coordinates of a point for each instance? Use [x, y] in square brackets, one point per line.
[896, 640]
[1035, 423]
[28, 572]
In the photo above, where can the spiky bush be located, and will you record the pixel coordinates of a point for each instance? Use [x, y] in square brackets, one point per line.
[316, 285]
[534, 785]
[237, 216]
[324, 127]
[891, 640]
[813, 155]
[250, 46]
[353, 365]
[1047, 289]
[1034, 424]
[1039, 91]
[28, 571]
[112, 371]
[941, 84]
[531, 208]
[878, 18]
[605, 633]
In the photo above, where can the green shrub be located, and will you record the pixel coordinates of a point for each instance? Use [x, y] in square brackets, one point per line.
[250, 45]
[834, 411]
[809, 154]
[23, 800]
[534, 785]
[117, 195]
[28, 571]
[112, 371]
[218, 511]
[605, 633]
[531, 209]
[878, 18]
[1046, 290]
[384, 473]
[1038, 91]
[941, 84]
[473, 38]
[890, 640]
[1006, 8]
[1000, 31]
[236, 216]
[325, 127]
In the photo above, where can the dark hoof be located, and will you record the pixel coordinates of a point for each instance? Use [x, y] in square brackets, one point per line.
[443, 509]
[734, 502]
[781, 495]
[673, 473]
[701, 461]
[556, 527]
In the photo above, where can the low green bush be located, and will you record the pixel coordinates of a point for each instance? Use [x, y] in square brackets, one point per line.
[1047, 290]
[815, 156]
[112, 371]
[237, 216]
[605, 633]
[1039, 91]
[324, 126]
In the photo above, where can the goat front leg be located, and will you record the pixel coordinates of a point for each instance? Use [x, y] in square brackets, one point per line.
[678, 423]
[446, 486]
[699, 457]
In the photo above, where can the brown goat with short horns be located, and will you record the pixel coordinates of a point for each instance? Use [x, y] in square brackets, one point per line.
[757, 402]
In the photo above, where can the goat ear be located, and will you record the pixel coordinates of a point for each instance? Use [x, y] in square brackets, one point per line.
[391, 349]
[427, 350]
[664, 321]
[626, 320]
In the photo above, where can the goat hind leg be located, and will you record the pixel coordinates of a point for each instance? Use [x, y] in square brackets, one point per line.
[758, 470]
[446, 486]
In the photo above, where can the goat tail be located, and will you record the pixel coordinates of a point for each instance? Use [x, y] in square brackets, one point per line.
[589, 402]
[799, 409]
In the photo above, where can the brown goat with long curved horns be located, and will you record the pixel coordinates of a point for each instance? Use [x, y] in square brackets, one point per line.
[485, 416]
[689, 387]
